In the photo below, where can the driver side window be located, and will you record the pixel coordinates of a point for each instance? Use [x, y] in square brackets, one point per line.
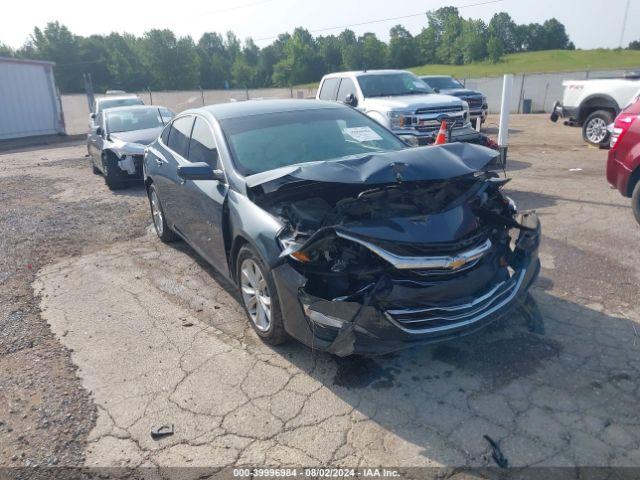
[202, 147]
[347, 87]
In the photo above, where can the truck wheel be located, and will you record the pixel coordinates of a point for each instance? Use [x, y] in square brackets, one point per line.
[594, 128]
[635, 201]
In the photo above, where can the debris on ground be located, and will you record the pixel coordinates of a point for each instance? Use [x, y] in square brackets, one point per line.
[162, 431]
[496, 453]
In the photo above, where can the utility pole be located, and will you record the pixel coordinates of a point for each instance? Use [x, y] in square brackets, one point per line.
[624, 22]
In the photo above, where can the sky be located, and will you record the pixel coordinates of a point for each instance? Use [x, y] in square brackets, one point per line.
[590, 23]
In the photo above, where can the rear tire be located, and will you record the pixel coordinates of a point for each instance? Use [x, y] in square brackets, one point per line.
[259, 297]
[158, 217]
[635, 201]
[594, 128]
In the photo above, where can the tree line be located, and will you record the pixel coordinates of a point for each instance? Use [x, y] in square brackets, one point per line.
[161, 61]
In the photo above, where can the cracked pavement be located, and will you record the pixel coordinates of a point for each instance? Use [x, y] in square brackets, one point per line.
[160, 339]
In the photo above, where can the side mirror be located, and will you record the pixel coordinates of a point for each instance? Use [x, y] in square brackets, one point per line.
[93, 116]
[200, 171]
[351, 100]
[436, 90]
[99, 131]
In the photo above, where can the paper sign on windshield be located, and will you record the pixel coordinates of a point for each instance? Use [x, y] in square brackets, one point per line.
[362, 134]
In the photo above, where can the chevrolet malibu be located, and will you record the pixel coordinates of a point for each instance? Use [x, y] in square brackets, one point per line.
[334, 232]
[117, 141]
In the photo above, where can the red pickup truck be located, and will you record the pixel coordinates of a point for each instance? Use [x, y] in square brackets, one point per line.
[623, 164]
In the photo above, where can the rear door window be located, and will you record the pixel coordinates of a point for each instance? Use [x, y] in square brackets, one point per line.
[328, 91]
[203, 147]
[179, 137]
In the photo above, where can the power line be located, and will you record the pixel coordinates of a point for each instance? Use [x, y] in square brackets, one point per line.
[624, 22]
[380, 20]
[237, 7]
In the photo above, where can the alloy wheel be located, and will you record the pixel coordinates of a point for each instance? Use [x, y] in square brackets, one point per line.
[596, 130]
[156, 212]
[255, 294]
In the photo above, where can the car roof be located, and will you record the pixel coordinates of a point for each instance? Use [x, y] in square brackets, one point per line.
[133, 107]
[118, 97]
[362, 73]
[435, 76]
[223, 111]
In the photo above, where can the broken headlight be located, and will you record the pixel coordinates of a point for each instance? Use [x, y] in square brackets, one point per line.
[291, 247]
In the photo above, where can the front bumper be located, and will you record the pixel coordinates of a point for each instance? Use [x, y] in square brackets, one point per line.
[560, 111]
[130, 167]
[479, 113]
[402, 315]
[618, 174]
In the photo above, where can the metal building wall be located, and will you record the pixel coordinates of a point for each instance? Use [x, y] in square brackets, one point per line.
[29, 103]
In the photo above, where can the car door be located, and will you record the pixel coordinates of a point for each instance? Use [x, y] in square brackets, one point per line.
[165, 171]
[96, 141]
[202, 201]
[347, 87]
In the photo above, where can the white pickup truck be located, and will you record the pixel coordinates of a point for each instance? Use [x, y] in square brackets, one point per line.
[593, 104]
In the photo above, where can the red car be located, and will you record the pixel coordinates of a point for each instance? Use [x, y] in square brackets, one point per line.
[623, 165]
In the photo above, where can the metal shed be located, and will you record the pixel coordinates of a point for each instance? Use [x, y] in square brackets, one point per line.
[29, 101]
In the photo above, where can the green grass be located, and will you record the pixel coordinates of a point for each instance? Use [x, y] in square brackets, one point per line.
[534, 62]
[540, 62]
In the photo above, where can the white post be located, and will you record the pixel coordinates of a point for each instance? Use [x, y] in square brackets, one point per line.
[505, 108]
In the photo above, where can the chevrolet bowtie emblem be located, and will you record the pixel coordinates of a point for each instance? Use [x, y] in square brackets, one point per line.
[457, 263]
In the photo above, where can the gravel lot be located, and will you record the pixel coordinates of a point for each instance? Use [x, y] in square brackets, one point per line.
[106, 333]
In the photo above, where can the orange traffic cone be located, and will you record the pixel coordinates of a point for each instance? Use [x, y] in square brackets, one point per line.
[442, 134]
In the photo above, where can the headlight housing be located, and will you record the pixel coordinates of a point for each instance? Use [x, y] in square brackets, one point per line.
[292, 244]
[465, 109]
[400, 118]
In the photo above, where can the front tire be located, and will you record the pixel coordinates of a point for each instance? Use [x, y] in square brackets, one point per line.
[259, 297]
[158, 217]
[111, 177]
[594, 129]
[635, 201]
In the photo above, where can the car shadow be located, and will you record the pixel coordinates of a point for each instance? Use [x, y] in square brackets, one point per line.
[515, 165]
[131, 190]
[504, 381]
[526, 390]
[535, 200]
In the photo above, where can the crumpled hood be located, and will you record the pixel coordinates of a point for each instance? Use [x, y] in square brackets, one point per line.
[411, 102]
[447, 226]
[411, 164]
[143, 137]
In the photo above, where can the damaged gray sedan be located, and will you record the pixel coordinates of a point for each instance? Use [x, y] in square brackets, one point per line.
[336, 233]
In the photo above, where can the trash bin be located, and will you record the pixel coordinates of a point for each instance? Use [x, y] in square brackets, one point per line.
[526, 105]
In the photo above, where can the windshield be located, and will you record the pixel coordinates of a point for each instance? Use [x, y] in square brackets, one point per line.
[118, 102]
[137, 119]
[387, 84]
[442, 83]
[264, 142]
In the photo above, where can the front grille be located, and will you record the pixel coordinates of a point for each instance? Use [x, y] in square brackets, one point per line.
[434, 126]
[438, 110]
[474, 102]
[442, 248]
[432, 319]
